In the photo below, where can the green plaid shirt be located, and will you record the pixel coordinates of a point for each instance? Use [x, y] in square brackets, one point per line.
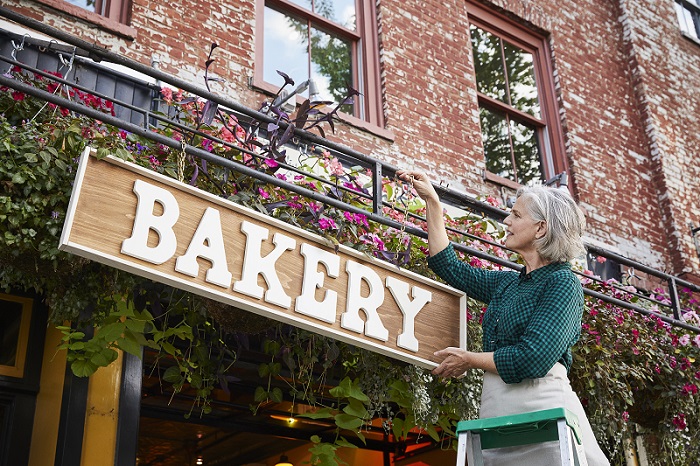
[532, 319]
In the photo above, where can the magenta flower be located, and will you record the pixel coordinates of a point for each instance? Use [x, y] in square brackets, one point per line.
[689, 389]
[263, 193]
[361, 219]
[326, 223]
[272, 163]
[679, 421]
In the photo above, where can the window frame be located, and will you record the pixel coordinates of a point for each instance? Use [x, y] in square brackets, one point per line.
[694, 10]
[117, 19]
[17, 369]
[365, 56]
[548, 127]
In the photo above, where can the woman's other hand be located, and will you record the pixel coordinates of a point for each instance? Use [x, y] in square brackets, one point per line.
[456, 361]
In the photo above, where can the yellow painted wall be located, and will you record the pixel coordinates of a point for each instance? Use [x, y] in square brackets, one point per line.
[48, 402]
[102, 415]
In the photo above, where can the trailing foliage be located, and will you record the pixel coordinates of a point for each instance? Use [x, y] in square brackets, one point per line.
[630, 370]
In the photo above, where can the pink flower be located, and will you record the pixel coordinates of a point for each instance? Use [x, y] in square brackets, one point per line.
[167, 94]
[326, 223]
[696, 340]
[263, 193]
[625, 416]
[272, 163]
[336, 167]
[361, 219]
[684, 340]
[679, 421]
[600, 259]
[689, 389]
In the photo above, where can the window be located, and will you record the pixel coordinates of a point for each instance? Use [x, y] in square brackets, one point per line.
[519, 120]
[117, 10]
[689, 17]
[332, 42]
[15, 315]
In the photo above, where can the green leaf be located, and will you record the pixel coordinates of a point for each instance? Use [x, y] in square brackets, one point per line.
[111, 332]
[172, 374]
[276, 395]
[130, 346]
[356, 408]
[323, 413]
[83, 368]
[346, 421]
[260, 394]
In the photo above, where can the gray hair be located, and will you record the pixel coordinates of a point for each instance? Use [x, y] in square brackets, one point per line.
[565, 222]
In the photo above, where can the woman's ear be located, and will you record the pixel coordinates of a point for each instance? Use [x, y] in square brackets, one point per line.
[541, 229]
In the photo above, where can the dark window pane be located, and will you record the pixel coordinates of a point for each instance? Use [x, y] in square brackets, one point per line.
[526, 153]
[10, 320]
[521, 80]
[488, 64]
[331, 65]
[286, 50]
[494, 132]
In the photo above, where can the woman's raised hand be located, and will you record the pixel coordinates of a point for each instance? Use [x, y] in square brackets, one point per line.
[420, 182]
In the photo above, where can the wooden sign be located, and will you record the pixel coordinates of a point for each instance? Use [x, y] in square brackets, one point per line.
[137, 220]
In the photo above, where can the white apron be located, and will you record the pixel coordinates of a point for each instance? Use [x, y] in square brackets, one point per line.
[551, 391]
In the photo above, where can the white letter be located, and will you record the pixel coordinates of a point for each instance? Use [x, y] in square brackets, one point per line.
[313, 279]
[208, 243]
[254, 264]
[137, 245]
[351, 318]
[409, 309]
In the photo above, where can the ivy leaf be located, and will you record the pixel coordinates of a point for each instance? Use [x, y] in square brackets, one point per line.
[276, 395]
[260, 394]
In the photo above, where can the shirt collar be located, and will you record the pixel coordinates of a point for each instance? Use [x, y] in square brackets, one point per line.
[544, 270]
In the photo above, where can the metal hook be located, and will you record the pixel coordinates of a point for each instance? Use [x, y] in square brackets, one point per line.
[18, 48]
[48, 47]
[68, 63]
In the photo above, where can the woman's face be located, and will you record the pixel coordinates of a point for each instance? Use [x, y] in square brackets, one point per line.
[521, 229]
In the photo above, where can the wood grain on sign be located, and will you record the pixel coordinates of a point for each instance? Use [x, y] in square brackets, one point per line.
[102, 216]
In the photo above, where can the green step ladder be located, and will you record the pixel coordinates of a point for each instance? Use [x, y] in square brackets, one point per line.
[521, 429]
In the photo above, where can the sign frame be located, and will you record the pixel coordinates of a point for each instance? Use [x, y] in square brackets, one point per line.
[76, 223]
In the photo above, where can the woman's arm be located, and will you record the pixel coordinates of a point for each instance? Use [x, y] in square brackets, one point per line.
[456, 361]
[437, 236]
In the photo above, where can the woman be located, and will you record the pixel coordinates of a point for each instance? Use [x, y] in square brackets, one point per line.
[532, 320]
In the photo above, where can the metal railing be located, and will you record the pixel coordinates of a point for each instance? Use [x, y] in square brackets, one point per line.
[379, 170]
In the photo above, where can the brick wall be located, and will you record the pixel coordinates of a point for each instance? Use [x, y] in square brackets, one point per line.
[626, 81]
